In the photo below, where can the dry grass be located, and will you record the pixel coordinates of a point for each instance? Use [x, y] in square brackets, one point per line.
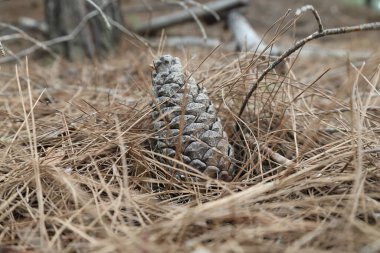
[77, 173]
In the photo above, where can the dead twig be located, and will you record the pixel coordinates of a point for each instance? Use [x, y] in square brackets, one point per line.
[276, 156]
[315, 13]
[196, 19]
[46, 44]
[109, 27]
[26, 36]
[301, 43]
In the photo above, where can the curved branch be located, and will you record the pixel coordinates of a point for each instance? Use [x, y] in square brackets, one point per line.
[301, 43]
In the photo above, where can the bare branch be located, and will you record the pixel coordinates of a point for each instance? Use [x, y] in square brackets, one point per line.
[54, 41]
[196, 19]
[68, 37]
[264, 149]
[10, 37]
[206, 8]
[101, 13]
[301, 43]
[315, 13]
[37, 43]
[276, 156]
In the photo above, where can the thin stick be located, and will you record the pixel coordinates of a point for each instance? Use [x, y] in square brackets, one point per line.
[54, 41]
[270, 153]
[276, 156]
[206, 8]
[301, 43]
[10, 37]
[315, 13]
[196, 19]
[101, 14]
[37, 43]
[70, 36]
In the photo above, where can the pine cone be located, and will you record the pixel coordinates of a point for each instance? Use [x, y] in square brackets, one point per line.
[202, 143]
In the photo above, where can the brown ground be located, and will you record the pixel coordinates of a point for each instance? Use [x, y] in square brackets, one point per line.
[77, 176]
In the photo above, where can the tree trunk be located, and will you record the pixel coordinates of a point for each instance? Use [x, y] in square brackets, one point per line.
[94, 38]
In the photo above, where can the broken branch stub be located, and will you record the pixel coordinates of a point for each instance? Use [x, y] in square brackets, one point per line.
[186, 124]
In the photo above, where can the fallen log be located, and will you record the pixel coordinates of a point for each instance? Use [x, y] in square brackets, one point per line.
[185, 41]
[201, 12]
[245, 36]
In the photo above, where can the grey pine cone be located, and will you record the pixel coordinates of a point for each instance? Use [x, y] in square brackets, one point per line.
[179, 100]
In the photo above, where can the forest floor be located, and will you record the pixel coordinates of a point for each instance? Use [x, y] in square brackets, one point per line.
[77, 173]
